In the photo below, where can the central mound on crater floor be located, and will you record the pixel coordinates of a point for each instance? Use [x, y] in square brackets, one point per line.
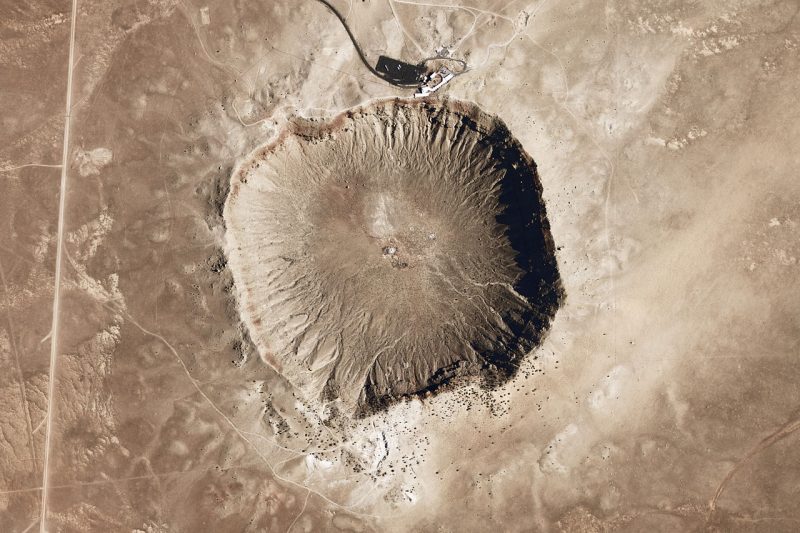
[391, 251]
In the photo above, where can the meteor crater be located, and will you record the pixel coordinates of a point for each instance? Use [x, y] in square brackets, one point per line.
[400, 248]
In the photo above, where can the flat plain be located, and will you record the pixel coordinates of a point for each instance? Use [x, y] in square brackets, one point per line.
[663, 396]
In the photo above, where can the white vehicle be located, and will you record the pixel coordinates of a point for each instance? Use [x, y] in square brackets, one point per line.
[433, 82]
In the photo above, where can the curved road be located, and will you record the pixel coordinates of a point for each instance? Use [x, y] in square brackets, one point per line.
[359, 51]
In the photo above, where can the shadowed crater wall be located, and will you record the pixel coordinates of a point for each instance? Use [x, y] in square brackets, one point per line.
[398, 248]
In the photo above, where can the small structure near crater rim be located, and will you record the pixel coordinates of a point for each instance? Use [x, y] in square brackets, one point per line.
[398, 248]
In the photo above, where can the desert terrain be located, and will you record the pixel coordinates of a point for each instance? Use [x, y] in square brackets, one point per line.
[140, 392]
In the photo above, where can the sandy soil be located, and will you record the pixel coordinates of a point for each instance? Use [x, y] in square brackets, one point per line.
[664, 398]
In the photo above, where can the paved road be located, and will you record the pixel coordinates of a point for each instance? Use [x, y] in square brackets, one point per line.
[360, 51]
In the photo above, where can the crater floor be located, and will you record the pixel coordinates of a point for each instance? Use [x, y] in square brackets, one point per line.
[392, 250]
